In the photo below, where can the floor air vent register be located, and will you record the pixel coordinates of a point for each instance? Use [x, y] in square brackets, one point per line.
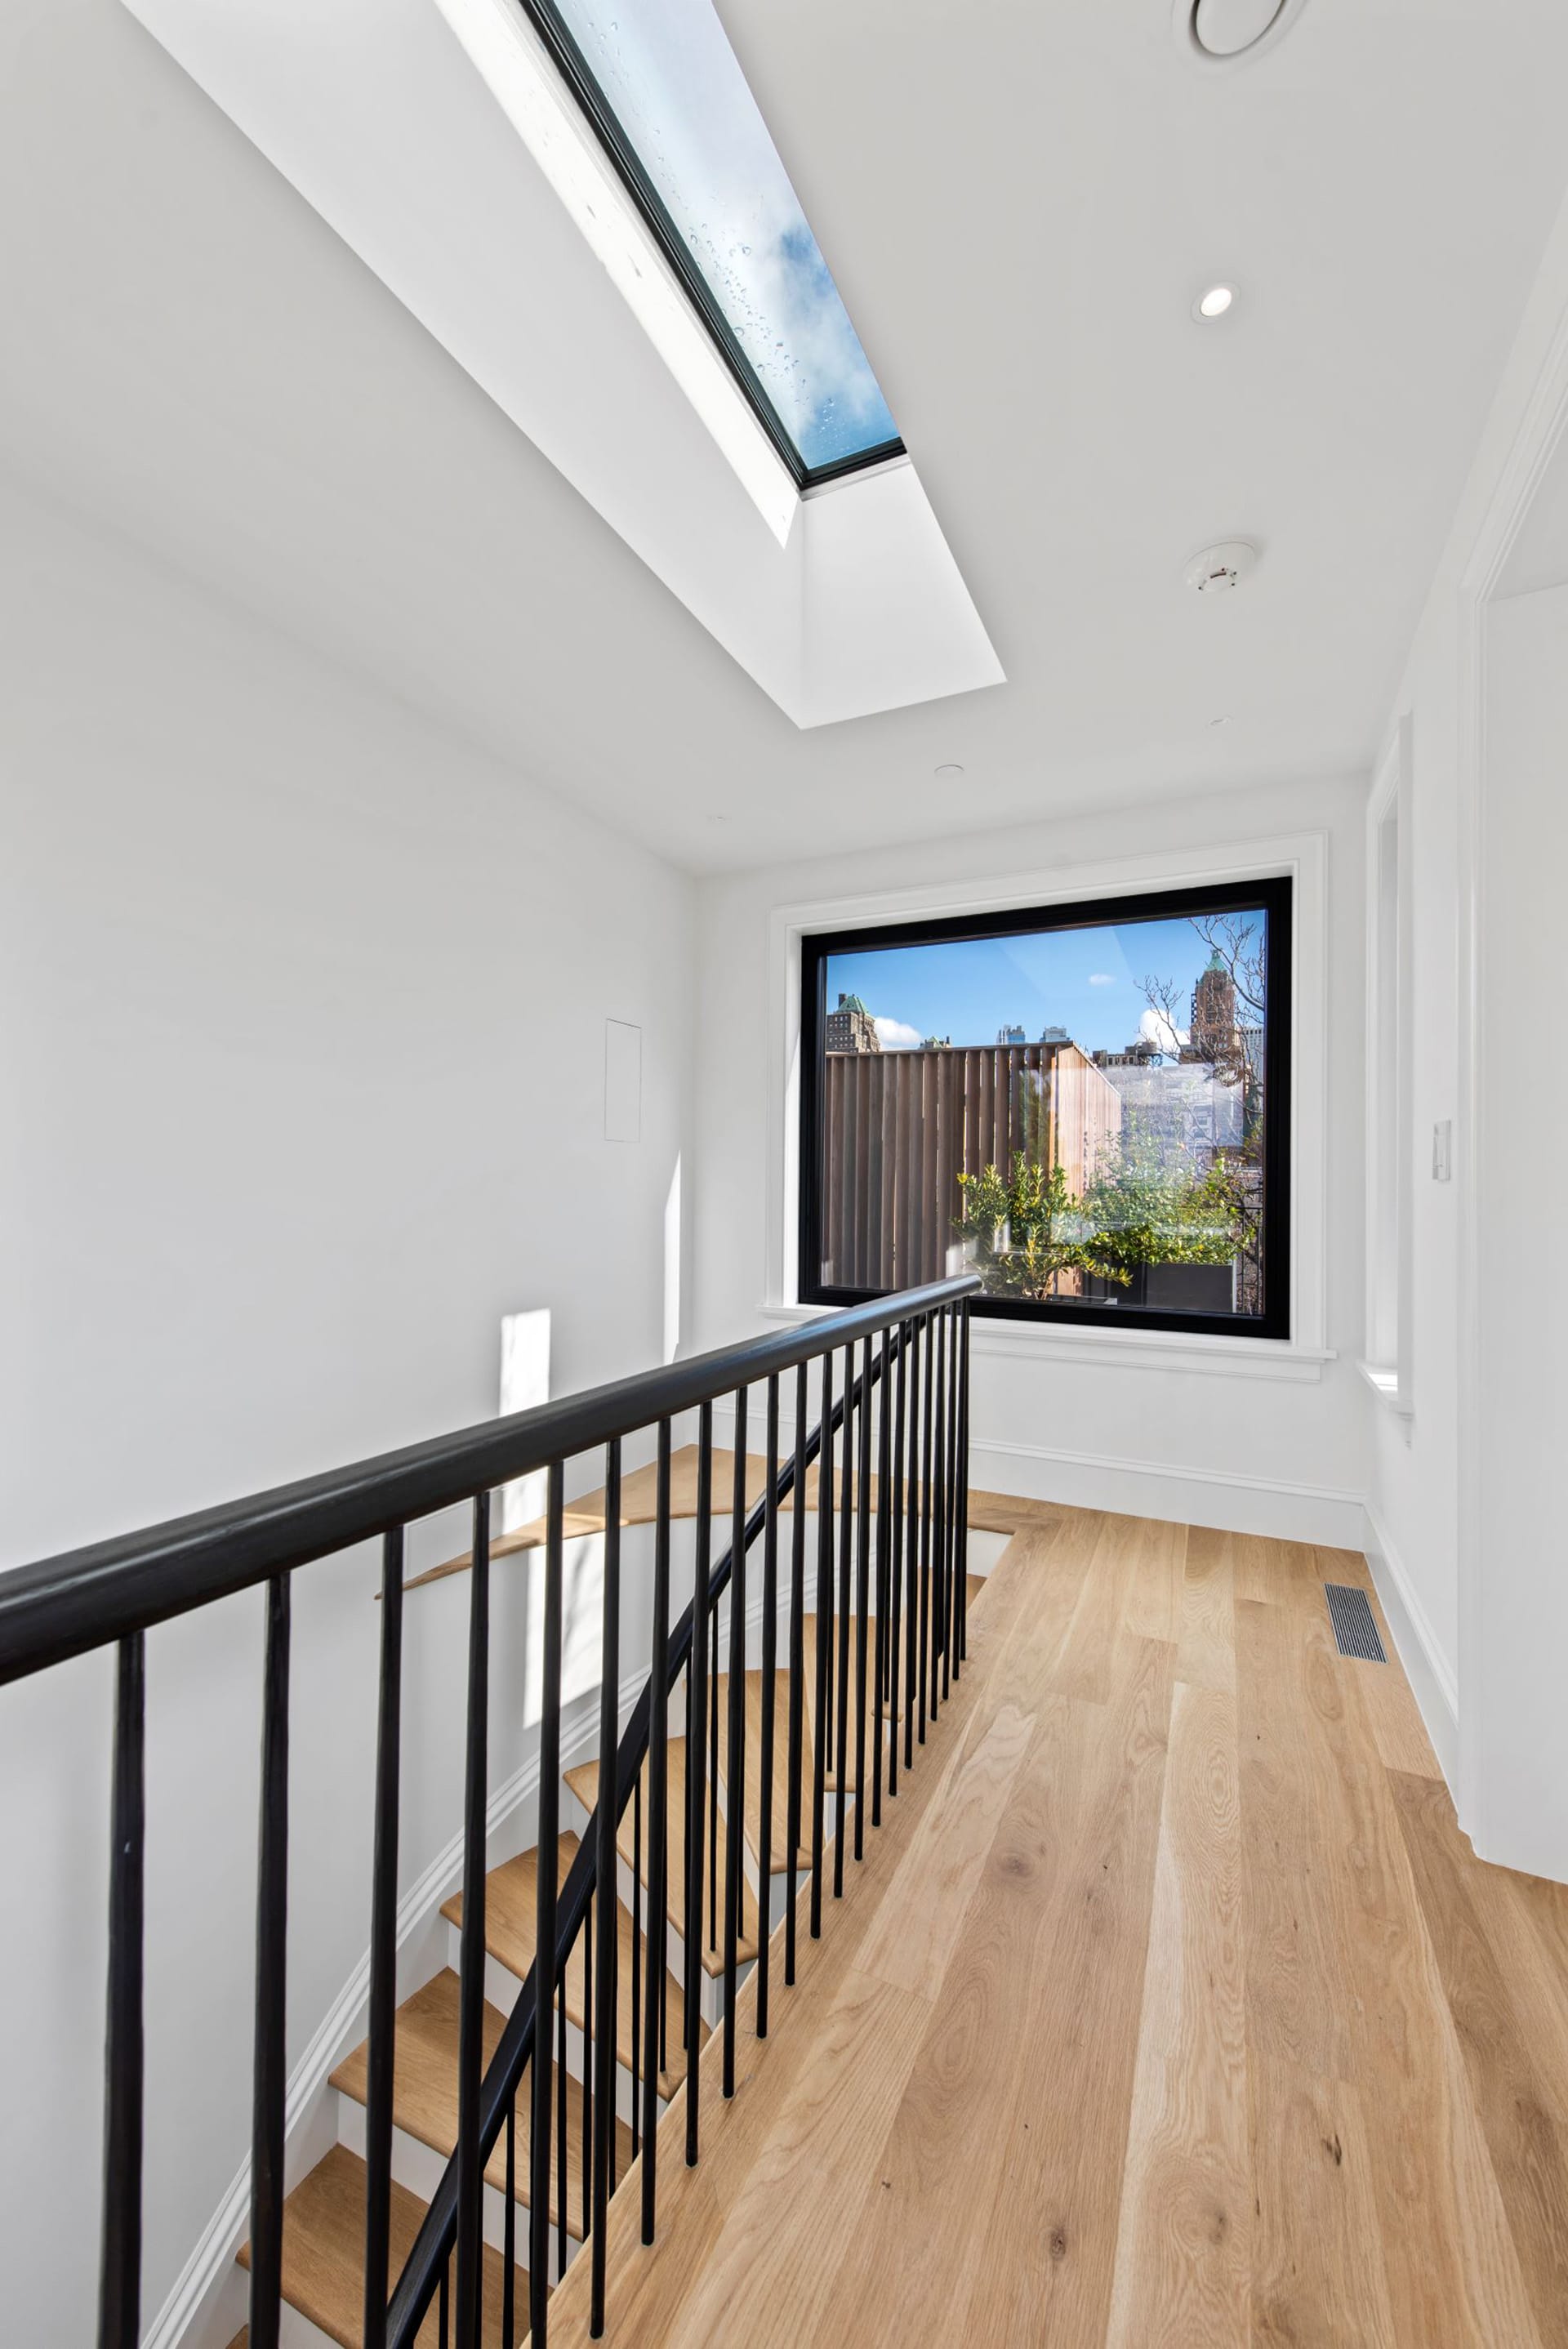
[1354, 1627]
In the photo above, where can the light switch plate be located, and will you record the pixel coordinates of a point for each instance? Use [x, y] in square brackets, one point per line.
[1442, 1149]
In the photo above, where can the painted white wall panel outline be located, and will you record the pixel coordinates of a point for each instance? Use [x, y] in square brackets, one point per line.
[623, 1081]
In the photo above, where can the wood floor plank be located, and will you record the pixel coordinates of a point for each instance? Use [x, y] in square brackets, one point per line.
[1206, 1637]
[1527, 2146]
[1157, 1561]
[1184, 2264]
[913, 1947]
[1450, 2268]
[1048, 2250]
[828, 2135]
[1297, 1996]
[1317, 2254]
[909, 2272]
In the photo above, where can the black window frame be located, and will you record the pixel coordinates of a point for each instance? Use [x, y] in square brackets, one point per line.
[1273, 894]
[551, 27]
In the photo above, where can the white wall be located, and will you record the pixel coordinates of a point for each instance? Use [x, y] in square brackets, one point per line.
[1240, 1449]
[301, 1010]
[1475, 1594]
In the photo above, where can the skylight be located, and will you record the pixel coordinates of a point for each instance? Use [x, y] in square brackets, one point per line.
[665, 91]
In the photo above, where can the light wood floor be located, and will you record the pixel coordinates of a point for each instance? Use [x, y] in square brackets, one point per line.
[1172, 2009]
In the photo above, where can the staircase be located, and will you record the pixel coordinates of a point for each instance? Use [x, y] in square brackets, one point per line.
[323, 2216]
[486, 2121]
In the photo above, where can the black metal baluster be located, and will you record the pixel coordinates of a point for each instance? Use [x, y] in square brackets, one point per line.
[602, 1989]
[950, 1482]
[884, 1485]
[442, 2304]
[384, 1946]
[508, 2234]
[797, 1660]
[271, 1975]
[587, 2100]
[964, 1479]
[939, 1513]
[637, 1952]
[896, 1557]
[862, 1588]
[120, 2274]
[927, 1627]
[770, 1669]
[735, 1752]
[842, 1618]
[911, 1550]
[472, 1964]
[713, 1783]
[824, 1622]
[646, 2090]
[695, 1791]
[561, 2240]
[545, 1918]
[953, 1608]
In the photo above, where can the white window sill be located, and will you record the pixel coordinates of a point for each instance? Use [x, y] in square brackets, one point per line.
[1126, 1349]
[1385, 1385]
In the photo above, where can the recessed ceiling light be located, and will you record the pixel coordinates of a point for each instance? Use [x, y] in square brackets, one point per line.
[1219, 721]
[949, 774]
[1214, 302]
[1221, 32]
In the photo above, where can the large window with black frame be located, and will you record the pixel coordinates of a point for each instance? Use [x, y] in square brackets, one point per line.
[1087, 1104]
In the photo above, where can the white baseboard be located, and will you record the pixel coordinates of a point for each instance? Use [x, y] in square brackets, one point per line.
[1427, 1669]
[1232, 1502]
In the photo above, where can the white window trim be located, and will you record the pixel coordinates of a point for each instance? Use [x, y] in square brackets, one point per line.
[1303, 857]
[1389, 1363]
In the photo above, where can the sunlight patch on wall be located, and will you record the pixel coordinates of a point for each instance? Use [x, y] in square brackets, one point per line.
[524, 1382]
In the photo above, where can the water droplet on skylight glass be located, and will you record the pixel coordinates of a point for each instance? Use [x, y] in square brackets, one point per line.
[675, 86]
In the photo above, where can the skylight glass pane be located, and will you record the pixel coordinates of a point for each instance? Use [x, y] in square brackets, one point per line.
[665, 70]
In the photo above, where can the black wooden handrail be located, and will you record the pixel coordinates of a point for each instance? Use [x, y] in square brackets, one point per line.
[88, 1598]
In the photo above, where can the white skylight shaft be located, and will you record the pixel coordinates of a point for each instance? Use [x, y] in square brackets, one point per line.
[514, 63]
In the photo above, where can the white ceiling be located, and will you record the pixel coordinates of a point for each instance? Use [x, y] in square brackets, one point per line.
[1019, 202]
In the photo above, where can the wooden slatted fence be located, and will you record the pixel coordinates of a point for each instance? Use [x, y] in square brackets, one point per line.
[899, 1128]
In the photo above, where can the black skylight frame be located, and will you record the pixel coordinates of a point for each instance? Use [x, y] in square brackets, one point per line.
[548, 24]
[1272, 895]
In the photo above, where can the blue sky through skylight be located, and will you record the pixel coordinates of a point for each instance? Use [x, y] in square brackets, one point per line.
[668, 73]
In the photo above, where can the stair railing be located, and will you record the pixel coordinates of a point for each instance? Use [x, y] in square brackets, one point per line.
[913, 1354]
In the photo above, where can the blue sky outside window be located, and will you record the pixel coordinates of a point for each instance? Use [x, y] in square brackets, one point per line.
[665, 76]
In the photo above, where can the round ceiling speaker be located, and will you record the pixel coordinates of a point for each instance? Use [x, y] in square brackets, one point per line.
[1217, 569]
[1223, 32]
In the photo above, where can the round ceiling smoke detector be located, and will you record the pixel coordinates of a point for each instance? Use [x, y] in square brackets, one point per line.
[1223, 32]
[1220, 568]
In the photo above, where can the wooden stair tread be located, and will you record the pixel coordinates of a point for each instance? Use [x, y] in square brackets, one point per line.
[1002, 1513]
[583, 1782]
[324, 2255]
[425, 2095]
[511, 1892]
[779, 1855]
